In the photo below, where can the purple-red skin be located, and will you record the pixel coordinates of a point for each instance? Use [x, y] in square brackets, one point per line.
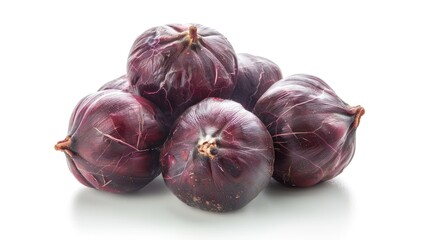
[313, 130]
[121, 83]
[176, 66]
[218, 156]
[113, 141]
[255, 75]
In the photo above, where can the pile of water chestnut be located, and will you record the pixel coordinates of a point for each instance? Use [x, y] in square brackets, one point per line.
[217, 125]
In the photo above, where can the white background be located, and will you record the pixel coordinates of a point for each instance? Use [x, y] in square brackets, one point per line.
[373, 53]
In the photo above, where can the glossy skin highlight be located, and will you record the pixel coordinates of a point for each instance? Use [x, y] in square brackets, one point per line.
[313, 130]
[218, 156]
[113, 141]
[176, 66]
[255, 75]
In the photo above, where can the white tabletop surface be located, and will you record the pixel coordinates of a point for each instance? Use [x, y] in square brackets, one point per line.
[372, 53]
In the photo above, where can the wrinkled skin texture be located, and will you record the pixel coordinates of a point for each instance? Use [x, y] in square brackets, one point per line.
[121, 83]
[237, 165]
[176, 67]
[255, 75]
[313, 130]
[113, 141]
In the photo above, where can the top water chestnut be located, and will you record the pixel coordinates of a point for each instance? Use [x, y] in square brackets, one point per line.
[176, 66]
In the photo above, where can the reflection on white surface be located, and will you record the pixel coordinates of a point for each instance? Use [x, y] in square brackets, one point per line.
[323, 211]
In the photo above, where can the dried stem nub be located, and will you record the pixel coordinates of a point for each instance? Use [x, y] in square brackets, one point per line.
[64, 145]
[208, 147]
[193, 37]
[359, 112]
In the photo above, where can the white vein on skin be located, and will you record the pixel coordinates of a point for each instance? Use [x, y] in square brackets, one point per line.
[140, 117]
[116, 140]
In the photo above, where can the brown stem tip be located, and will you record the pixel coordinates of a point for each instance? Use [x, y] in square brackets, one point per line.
[208, 147]
[193, 37]
[359, 112]
[64, 145]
